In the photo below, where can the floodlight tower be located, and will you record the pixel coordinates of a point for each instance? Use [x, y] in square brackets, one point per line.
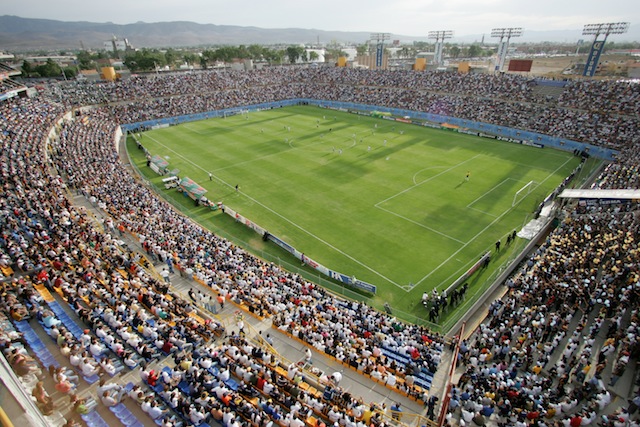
[598, 45]
[505, 35]
[439, 37]
[379, 38]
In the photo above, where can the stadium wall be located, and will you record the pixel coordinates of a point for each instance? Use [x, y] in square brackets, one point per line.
[337, 276]
[416, 117]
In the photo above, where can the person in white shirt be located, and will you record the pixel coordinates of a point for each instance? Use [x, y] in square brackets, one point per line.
[108, 400]
[155, 411]
[75, 359]
[88, 369]
[96, 348]
[108, 366]
[391, 380]
[224, 375]
[196, 415]
[267, 388]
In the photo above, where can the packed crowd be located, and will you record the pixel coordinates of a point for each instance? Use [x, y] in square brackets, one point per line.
[56, 245]
[263, 287]
[237, 383]
[620, 97]
[600, 113]
[552, 350]
[560, 289]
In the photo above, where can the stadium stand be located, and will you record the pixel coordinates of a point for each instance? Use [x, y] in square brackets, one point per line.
[8, 87]
[559, 349]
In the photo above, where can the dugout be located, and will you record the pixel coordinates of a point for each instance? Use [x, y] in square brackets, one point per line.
[191, 189]
[158, 165]
[170, 182]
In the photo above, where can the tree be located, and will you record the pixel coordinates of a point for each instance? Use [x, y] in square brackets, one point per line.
[70, 72]
[474, 51]
[256, 52]
[313, 56]
[190, 58]
[333, 53]
[405, 52]
[454, 51]
[242, 52]
[49, 69]
[273, 56]
[208, 55]
[170, 57]
[294, 53]
[145, 60]
[362, 49]
[27, 68]
[85, 60]
[422, 46]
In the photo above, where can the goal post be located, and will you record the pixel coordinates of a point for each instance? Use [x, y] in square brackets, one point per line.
[522, 193]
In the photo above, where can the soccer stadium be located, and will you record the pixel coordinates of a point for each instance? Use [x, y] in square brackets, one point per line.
[153, 272]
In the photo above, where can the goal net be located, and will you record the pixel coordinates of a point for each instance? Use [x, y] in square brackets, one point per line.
[527, 189]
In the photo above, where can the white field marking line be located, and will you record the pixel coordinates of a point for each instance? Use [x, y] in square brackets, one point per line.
[287, 219]
[196, 131]
[483, 212]
[463, 267]
[415, 175]
[493, 188]
[433, 230]
[209, 130]
[483, 230]
[235, 164]
[421, 225]
[314, 144]
[426, 180]
[539, 168]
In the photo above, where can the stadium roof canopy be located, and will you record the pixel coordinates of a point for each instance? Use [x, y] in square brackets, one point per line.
[600, 194]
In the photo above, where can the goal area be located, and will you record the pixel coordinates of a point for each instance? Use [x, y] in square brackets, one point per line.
[522, 193]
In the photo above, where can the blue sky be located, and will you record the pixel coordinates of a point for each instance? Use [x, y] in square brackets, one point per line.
[403, 17]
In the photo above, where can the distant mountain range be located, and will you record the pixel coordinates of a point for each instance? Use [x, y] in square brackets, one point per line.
[18, 34]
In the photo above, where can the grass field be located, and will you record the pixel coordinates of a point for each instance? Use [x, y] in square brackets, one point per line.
[384, 201]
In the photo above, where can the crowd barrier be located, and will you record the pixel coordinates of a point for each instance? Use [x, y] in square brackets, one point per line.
[340, 277]
[415, 117]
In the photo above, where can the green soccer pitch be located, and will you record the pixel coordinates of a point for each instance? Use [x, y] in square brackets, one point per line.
[384, 201]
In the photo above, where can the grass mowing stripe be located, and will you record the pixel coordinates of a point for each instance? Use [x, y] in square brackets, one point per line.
[329, 245]
[386, 205]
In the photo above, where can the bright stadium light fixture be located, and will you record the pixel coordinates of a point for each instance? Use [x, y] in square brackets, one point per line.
[439, 37]
[379, 38]
[505, 35]
[597, 30]
[605, 28]
[506, 32]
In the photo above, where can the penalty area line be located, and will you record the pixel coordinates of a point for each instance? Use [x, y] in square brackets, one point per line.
[279, 215]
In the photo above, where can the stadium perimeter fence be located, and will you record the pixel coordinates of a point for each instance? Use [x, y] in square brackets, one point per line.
[452, 316]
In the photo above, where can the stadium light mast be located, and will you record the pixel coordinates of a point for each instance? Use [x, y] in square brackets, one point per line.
[379, 38]
[439, 37]
[505, 35]
[598, 45]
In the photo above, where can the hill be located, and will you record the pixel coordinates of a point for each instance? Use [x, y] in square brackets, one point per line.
[18, 33]
[32, 34]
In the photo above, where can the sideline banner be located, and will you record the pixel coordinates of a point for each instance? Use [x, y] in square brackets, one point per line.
[340, 277]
